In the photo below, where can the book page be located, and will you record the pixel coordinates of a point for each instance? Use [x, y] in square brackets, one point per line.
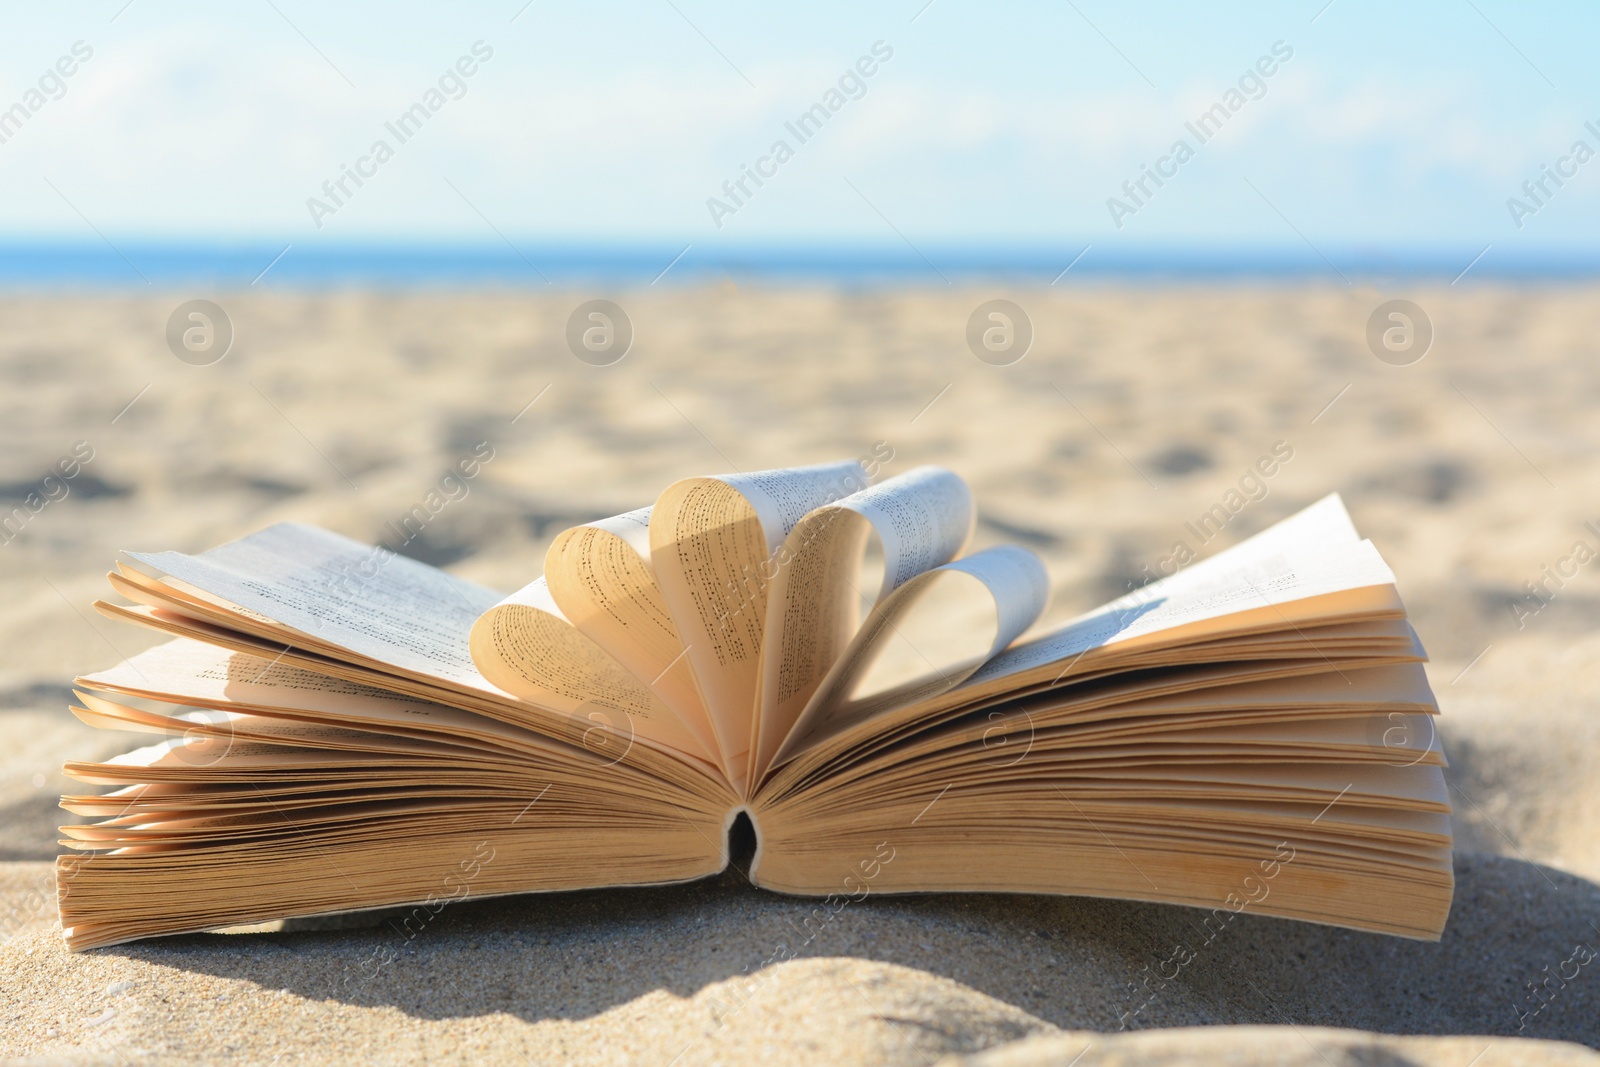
[926, 638]
[599, 574]
[784, 496]
[920, 520]
[527, 647]
[715, 548]
[194, 673]
[1309, 555]
[367, 599]
[211, 759]
[386, 608]
[1279, 574]
[229, 727]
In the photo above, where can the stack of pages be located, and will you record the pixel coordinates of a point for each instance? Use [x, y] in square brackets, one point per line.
[346, 728]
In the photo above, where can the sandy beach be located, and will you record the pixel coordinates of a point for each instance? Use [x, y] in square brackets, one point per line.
[1136, 410]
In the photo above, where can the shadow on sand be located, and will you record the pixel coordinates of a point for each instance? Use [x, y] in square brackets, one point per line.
[574, 955]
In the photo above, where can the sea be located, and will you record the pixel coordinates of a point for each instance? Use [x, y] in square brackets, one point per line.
[528, 263]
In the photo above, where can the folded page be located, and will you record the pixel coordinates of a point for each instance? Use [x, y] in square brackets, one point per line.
[599, 574]
[926, 638]
[919, 520]
[714, 544]
[527, 647]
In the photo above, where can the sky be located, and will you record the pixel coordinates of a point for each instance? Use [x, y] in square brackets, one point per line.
[1381, 126]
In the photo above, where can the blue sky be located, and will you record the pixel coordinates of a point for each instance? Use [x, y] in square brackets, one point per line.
[1391, 126]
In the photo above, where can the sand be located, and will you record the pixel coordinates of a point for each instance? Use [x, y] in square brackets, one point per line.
[1135, 411]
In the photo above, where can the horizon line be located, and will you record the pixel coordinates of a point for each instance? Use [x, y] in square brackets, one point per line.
[244, 262]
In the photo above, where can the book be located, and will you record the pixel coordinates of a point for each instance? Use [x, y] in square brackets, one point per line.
[802, 656]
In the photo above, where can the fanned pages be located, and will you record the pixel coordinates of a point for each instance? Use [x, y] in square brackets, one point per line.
[919, 520]
[1252, 731]
[526, 647]
[716, 544]
[600, 576]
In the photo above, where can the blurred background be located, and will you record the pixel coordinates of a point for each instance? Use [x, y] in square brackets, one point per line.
[294, 261]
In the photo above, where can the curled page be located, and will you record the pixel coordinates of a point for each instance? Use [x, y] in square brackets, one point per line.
[783, 497]
[927, 637]
[599, 574]
[714, 544]
[527, 647]
[921, 520]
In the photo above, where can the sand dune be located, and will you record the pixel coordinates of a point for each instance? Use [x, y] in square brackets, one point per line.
[1135, 411]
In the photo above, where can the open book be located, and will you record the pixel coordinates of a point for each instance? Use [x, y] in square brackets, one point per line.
[795, 653]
